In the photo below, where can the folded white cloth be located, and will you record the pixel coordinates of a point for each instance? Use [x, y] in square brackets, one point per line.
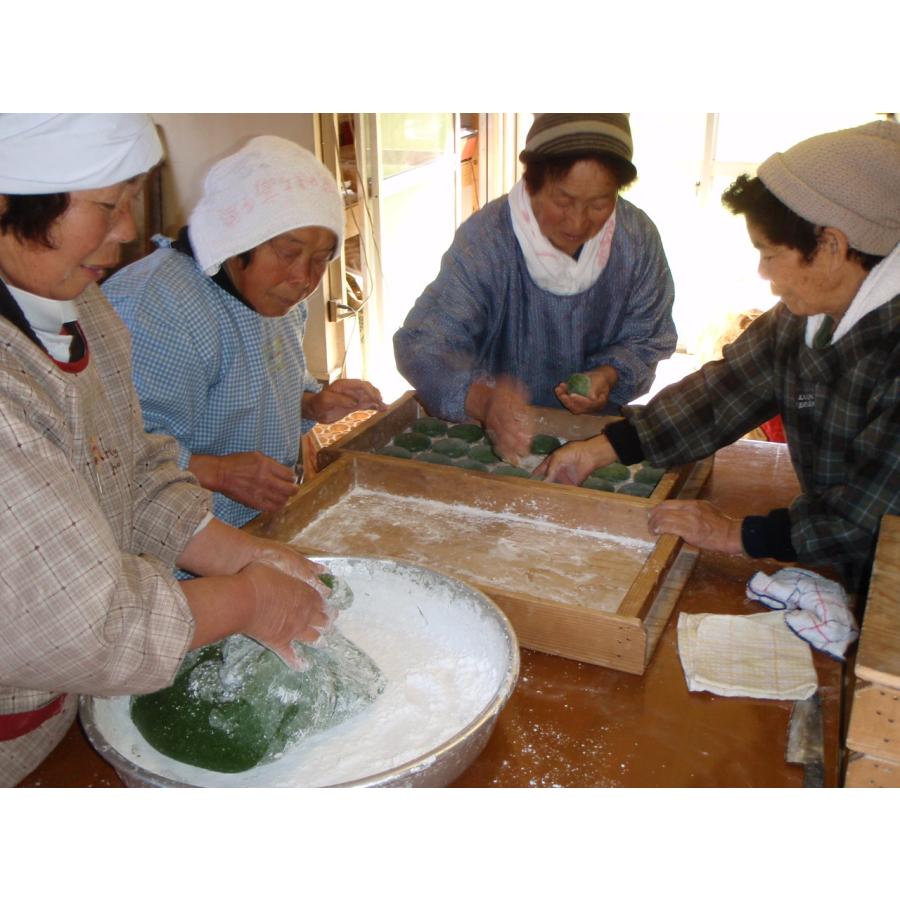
[744, 656]
[817, 608]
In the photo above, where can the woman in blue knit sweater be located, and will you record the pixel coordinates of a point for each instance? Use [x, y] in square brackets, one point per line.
[560, 276]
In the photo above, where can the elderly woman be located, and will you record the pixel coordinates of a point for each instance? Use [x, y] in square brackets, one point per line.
[217, 324]
[560, 276]
[95, 512]
[825, 218]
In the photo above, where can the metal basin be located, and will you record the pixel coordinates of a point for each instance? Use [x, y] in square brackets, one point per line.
[394, 591]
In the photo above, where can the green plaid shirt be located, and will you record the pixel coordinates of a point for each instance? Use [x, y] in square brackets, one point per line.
[841, 411]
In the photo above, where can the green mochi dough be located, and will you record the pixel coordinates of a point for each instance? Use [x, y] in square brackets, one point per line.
[452, 447]
[649, 475]
[466, 432]
[400, 452]
[472, 464]
[440, 459]
[429, 426]
[235, 704]
[542, 444]
[579, 383]
[612, 472]
[412, 440]
[636, 489]
[484, 454]
[598, 484]
[514, 471]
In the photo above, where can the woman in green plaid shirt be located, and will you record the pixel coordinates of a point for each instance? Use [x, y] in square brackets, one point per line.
[825, 218]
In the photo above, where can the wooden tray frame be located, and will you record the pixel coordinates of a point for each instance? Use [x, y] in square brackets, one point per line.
[623, 640]
[381, 428]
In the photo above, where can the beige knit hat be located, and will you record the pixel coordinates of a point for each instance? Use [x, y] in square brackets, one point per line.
[849, 180]
[562, 134]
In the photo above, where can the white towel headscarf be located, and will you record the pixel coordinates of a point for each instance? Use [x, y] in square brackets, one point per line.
[49, 154]
[550, 268]
[268, 187]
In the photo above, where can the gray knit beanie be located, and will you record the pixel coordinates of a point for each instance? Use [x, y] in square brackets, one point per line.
[563, 134]
[849, 180]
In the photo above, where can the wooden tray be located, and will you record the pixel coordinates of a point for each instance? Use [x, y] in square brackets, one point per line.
[382, 428]
[576, 571]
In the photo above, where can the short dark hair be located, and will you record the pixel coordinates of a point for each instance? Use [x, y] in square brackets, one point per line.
[29, 217]
[551, 168]
[781, 225]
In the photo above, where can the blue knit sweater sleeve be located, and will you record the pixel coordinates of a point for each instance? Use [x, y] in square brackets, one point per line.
[439, 347]
[647, 331]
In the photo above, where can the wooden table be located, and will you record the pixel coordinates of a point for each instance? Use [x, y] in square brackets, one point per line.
[577, 725]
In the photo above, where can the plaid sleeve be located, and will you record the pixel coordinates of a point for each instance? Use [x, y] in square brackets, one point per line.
[79, 615]
[716, 405]
[840, 523]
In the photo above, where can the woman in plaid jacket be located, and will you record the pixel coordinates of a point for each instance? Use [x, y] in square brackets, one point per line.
[825, 218]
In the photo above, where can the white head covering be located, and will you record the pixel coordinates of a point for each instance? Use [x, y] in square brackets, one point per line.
[268, 187]
[49, 154]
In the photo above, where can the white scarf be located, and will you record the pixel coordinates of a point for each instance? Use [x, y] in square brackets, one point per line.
[881, 285]
[551, 269]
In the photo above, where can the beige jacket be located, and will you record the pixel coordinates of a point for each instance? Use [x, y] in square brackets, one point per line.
[93, 514]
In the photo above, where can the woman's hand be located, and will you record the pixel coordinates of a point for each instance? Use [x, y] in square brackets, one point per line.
[254, 479]
[253, 586]
[288, 559]
[575, 460]
[284, 609]
[698, 522]
[507, 418]
[603, 380]
[341, 397]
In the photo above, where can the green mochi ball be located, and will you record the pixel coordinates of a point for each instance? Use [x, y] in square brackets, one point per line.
[466, 432]
[598, 484]
[514, 471]
[636, 489]
[440, 459]
[612, 472]
[452, 447]
[542, 444]
[399, 452]
[472, 464]
[649, 475]
[429, 426]
[413, 440]
[579, 383]
[483, 453]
